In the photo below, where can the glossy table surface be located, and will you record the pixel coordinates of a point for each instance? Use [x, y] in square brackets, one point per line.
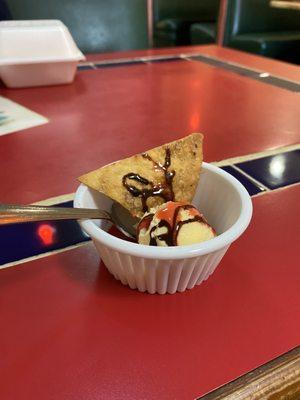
[68, 329]
[112, 113]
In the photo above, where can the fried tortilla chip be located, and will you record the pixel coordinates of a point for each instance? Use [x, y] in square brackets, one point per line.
[143, 181]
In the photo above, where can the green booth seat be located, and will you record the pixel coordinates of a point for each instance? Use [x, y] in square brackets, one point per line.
[172, 32]
[173, 19]
[96, 25]
[203, 33]
[256, 27]
[4, 11]
[281, 45]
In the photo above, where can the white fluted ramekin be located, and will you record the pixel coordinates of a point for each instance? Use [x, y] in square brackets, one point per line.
[224, 202]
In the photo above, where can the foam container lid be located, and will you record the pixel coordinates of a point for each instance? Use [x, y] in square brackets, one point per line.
[36, 41]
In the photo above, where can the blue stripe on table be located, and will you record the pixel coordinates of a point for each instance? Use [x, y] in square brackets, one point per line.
[250, 186]
[84, 67]
[161, 60]
[275, 171]
[248, 72]
[235, 68]
[133, 61]
[113, 64]
[19, 241]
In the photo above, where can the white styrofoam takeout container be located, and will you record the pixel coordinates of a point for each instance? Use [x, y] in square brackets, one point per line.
[37, 53]
[219, 196]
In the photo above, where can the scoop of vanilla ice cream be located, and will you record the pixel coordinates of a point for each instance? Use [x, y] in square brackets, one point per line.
[174, 223]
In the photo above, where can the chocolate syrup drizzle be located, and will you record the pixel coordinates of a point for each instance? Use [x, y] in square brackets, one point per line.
[170, 237]
[166, 237]
[178, 225]
[163, 190]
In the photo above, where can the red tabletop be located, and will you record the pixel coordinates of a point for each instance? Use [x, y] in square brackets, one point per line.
[112, 113]
[68, 329]
[264, 64]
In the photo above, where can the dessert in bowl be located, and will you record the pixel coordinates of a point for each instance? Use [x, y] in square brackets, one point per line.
[164, 267]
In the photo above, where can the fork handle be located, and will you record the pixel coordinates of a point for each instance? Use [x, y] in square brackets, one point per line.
[12, 213]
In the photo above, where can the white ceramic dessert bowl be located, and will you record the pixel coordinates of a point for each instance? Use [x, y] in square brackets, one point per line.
[224, 202]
